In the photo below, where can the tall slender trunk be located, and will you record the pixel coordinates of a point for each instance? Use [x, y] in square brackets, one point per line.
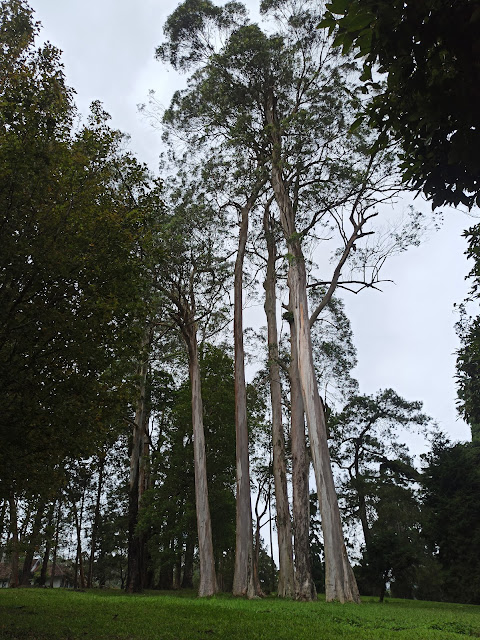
[48, 544]
[136, 539]
[208, 581]
[244, 583]
[34, 543]
[22, 533]
[14, 531]
[286, 577]
[3, 521]
[96, 519]
[258, 524]
[187, 579]
[300, 475]
[79, 557]
[55, 548]
[340, 583]
[362, 502]
[177, 577]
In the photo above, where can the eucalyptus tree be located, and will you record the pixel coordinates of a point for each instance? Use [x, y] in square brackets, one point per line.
[266, 255]
[236, 182]
[286, 99]
[334, 358]
[192, 274]
[168, 513]
[286, 577]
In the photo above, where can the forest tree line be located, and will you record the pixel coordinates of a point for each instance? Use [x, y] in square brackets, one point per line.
[131, 440]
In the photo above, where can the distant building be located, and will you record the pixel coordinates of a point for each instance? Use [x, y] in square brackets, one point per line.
[62, 576]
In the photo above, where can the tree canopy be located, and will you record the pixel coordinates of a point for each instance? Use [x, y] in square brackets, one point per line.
[430, 54]
[72, 219]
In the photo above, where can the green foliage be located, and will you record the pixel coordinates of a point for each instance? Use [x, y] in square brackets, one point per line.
[191, 268]
[451, 484]
[430, 54]
[468, 373]
[366, 439]
[377, 486]
[395, 547]
[468, 330]
[334, 352]
[73, 213]
[189, 28]
[168, 512]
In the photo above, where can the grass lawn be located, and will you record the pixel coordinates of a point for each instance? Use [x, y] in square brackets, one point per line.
[57, 614]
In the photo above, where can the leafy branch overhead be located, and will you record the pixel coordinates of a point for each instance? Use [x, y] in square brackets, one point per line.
[430, 53]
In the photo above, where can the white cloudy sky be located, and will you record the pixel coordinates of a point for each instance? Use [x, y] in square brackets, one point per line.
[405, 335]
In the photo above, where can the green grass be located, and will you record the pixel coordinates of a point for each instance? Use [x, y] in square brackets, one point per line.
[43, 614]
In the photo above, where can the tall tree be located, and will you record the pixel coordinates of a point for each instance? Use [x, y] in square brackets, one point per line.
[286, 578]
[244, 582]
[70, 278]
[283, 95]
[189, 41]
[192, 278]
[138, 471]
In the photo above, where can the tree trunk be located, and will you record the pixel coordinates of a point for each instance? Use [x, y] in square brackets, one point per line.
[187, 579]
[243, 579]
[33, 544]
[362, 502]
[14, 532]
[300, 480]
[286, 578]
[208, 581]
[258, 525]
[96, 519]
[273, 568]
[383, 588]
[3, 522]
[48, 545]
[177, 578]
[55, 548]
[340, 583]
[79, 556]
[136, 540]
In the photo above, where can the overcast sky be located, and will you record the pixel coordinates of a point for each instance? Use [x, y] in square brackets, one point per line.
[405, 336]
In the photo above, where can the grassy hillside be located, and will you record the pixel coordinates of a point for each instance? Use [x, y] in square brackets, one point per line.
[67, 615]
